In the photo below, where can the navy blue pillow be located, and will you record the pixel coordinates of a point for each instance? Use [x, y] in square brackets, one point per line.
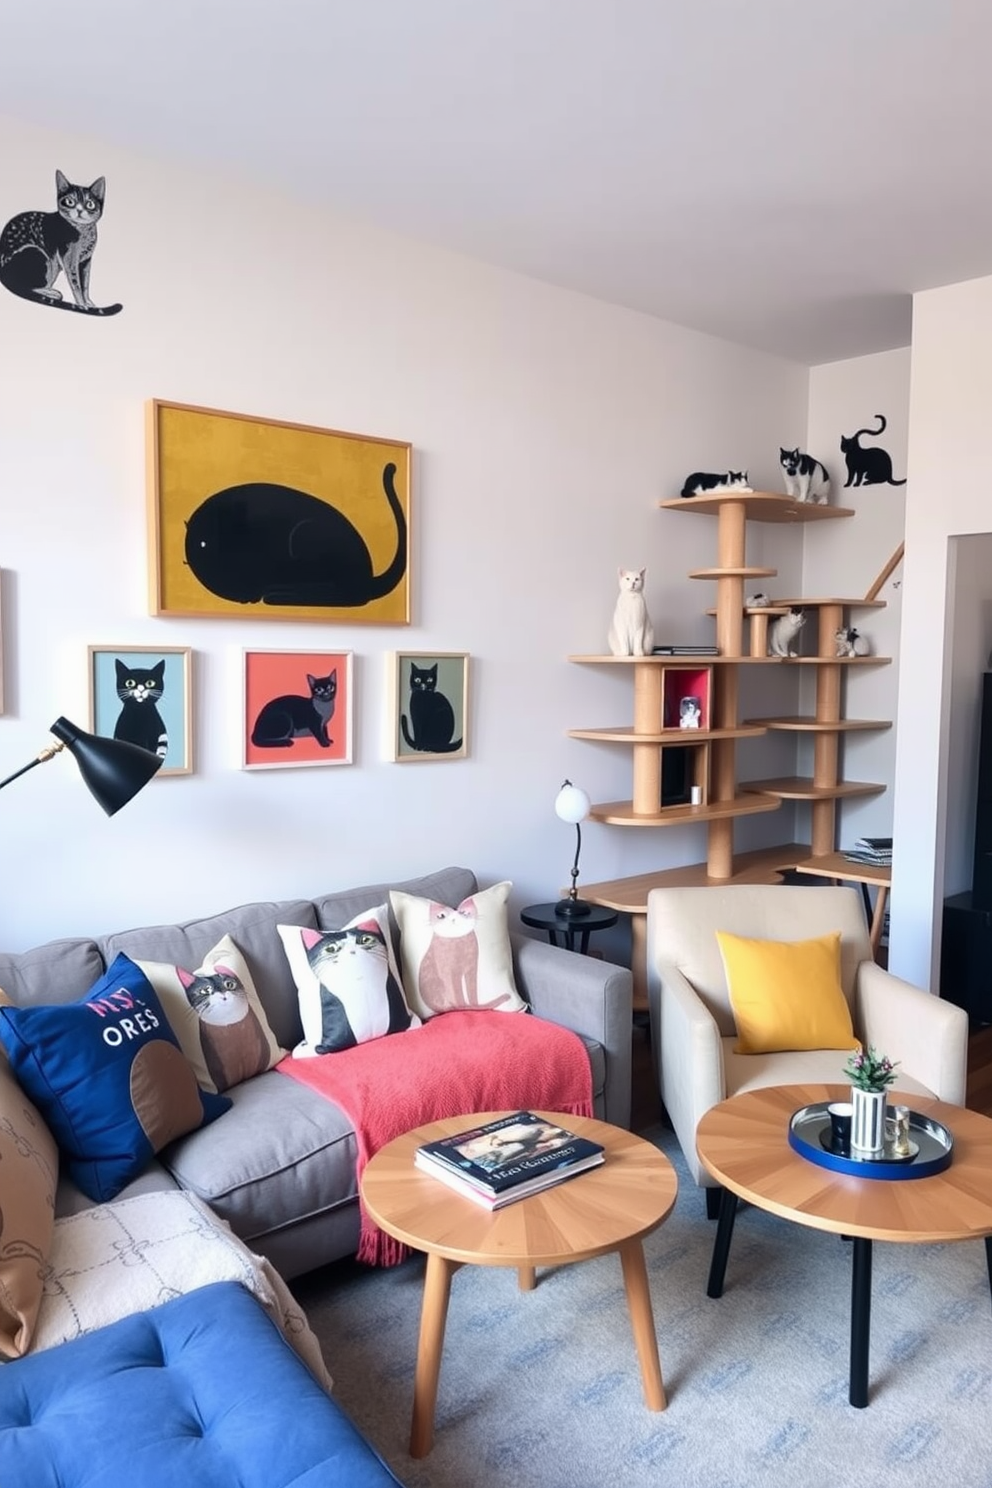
[109, 1077]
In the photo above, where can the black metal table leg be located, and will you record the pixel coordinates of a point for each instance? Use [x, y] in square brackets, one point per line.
[583, 943]
[860, 1321]
[721, 1243]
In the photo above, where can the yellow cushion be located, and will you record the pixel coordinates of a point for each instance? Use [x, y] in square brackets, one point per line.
[786, 994]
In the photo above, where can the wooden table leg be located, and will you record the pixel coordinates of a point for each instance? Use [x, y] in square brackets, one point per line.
[433, 1315]
[878, 919]
[526, 1278]
[635, 1280]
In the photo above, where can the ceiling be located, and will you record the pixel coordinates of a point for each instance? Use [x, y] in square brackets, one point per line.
[784, 173]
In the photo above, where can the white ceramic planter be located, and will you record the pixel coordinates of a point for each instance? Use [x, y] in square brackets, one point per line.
[868, 1121]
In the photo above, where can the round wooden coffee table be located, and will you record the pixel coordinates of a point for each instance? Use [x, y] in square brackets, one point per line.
[607, 1208]
[743, 1143]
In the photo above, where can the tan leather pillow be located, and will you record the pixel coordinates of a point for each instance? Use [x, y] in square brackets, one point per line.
[28, 1175]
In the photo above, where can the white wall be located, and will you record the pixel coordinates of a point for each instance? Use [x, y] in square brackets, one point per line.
[945, 614]
[546, 426]
[843, 559]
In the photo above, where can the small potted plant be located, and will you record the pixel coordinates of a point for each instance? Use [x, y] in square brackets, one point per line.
[870, 1074]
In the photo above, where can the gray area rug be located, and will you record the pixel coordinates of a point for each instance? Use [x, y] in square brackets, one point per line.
[543, 1390]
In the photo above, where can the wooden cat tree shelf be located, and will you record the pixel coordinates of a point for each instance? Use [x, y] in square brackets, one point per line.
[659, 681]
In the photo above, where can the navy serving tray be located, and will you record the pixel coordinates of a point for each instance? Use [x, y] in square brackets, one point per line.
[933, 1141]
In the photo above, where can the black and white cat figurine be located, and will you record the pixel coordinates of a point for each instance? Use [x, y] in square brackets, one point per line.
[283, 719]
[36, 247]
[139, 721]
[806, 479]
[712, 482]
[871, 466]
[850, 642]
[432, 718]
[783, 631]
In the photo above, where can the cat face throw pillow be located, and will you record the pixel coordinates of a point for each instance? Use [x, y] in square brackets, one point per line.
[216, 1015]
[347, 982]
[457, 958]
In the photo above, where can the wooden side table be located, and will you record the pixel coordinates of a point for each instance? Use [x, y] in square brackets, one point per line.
[609, 1208]
[570, 928]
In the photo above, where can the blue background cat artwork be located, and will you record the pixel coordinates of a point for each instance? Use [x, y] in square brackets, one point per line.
[298, 708]
[39, 248]
[259, 518]
[144, 694]
[430, 705]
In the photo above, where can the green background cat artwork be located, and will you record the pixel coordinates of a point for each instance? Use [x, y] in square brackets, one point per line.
[262, 519]
[298, 709]
[144, 694]
[429, 716]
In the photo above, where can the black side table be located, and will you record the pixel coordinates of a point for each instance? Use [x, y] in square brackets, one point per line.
[569, 927]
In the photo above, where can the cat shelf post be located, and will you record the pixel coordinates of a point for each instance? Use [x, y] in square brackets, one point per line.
[646, 763]
[826, 745]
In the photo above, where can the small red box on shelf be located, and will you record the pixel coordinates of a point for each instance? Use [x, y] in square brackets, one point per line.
[686, 702]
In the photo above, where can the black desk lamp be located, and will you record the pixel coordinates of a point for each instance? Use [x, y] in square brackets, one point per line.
[573, 805]
[113, 770]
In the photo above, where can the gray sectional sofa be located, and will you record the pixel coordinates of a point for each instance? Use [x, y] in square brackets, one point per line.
[280, 1166]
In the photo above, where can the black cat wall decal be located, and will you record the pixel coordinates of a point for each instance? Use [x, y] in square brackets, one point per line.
[36, 247]
[260, 543]
[871, 466]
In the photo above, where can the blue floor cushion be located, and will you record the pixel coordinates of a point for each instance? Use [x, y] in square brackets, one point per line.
[200, 1392]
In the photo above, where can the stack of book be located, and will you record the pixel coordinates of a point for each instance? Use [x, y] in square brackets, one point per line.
[508, 1159]
[875, 850]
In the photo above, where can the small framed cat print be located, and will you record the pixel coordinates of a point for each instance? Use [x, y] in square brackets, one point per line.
[430, 705]
[144, 694]
[254, 518]
[298, 709]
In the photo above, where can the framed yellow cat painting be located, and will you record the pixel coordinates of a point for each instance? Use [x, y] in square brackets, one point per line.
[268, 520]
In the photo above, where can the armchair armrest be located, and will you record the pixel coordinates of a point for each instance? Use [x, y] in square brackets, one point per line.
[690, 1057]
[589, 996]
[927, 1035]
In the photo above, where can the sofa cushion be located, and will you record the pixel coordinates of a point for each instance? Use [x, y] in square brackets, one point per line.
[282, 1154]
[253, 929]
[348, 983]
[786, 994]
[59, 971]
[29, 1172]
[109, 1077]
[215, 1014]
[201, 1391]
[457, 958]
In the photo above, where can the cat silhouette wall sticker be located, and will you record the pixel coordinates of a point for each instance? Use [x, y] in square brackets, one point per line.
[37, 248]
[868, 465]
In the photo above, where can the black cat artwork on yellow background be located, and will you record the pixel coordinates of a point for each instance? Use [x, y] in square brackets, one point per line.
[38, 248]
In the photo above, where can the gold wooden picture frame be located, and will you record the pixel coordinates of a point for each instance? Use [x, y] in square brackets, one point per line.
[264, 519]
[145, 694]
[429, 713]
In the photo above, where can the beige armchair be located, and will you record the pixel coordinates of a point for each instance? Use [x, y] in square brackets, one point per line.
[692, 1024]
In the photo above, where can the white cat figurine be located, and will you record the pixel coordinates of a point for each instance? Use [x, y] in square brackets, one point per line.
[631, 633]
[850, 642]
[783, 631]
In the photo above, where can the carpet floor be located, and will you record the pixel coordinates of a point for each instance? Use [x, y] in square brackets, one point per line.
[542, 1389]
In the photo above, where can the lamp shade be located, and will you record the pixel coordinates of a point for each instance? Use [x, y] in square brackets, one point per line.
[572, 804]
[113, 770]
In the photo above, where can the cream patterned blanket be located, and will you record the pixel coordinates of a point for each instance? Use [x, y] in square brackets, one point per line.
[124, 1257]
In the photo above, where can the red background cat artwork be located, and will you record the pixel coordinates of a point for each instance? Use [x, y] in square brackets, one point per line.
[298, 709]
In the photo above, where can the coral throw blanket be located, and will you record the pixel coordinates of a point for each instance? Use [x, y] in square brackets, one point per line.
[459, 1062]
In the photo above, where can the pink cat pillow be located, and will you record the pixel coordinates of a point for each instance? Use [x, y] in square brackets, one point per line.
[457, 959]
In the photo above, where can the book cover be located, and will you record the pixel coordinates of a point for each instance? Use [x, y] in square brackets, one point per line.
[490, 1200]
[501, 1154]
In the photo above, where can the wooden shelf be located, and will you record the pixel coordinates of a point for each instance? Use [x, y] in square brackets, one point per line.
[759, 506]
[733, 573]
[847, 604]
[690, 663]
[630, 895]
[801, 788]
[841, 661]
[812, 725]
[622, 813]
[626, 735]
